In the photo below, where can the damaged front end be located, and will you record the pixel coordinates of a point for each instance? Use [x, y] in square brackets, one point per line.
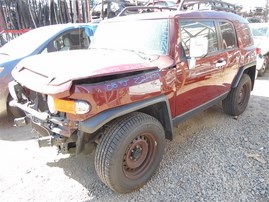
[52, 126]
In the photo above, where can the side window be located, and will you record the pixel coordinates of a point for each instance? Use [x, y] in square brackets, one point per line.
[72, 40]
[191, 29]
[228, 35]
[247, 39]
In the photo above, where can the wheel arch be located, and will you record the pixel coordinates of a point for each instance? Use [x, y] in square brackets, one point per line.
[158, 107]
[250, 70]
[161, 112]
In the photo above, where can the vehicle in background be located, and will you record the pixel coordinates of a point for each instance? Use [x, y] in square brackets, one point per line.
[8, 34]
[41, 40]
[254, 20]
[110, 9]
[217, 5]
[162, 3]
[260, 32]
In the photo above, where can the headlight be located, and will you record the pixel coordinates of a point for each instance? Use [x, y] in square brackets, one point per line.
[82, 107]
[51, 106]
[68, 106]
[1, 69]
[12, 90]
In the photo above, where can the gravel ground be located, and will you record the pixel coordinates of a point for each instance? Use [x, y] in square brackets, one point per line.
[213, 157]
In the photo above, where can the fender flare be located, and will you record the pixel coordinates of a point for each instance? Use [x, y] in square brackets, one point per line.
[92, 124]
[241, 72]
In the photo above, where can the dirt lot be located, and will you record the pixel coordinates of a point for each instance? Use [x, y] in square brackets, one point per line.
[213, 157]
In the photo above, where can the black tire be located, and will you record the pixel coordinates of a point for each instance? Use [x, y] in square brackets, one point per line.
[237, 100]
[129, 152]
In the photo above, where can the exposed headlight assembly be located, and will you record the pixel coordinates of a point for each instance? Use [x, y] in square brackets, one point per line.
[12, 86]
[50, 102]
[68, 106]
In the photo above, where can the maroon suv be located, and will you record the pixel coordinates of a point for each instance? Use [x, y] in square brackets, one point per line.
[143, 74]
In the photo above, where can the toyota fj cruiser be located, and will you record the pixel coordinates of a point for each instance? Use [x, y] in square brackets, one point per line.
[143, 74]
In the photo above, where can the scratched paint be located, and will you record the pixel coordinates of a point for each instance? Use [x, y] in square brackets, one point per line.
[134, 80]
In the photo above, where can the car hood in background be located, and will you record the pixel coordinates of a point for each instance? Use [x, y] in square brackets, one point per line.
[6, 59]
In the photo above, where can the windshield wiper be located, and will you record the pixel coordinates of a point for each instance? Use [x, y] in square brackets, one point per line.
[139, 53]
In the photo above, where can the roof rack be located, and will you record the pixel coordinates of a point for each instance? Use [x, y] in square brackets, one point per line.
[144, 9]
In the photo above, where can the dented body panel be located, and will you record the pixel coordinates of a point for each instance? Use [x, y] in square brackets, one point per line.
[115, 82]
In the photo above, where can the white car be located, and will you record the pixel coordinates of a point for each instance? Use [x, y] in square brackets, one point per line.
[42, 40]
[260, 33]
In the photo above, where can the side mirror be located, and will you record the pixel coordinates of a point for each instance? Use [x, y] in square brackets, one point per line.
[198, 46]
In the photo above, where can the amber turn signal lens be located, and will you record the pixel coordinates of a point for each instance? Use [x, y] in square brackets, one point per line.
[67, 106]
[71, 106]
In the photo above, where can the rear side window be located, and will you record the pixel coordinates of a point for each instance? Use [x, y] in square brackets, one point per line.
[246, 33]
[189, 29]
[228, 35]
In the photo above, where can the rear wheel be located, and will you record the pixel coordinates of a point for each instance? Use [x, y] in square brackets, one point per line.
[129, 152]
[237, 100]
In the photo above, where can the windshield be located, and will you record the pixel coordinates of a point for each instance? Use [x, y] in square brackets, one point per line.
[260, 31]
[28, 42]
[147, 36]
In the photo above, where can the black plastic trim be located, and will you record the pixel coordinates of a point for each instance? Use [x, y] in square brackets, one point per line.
[240, 73]
[91, 125]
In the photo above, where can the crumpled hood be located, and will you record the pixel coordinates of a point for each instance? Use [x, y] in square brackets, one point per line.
[43, 73]
[72, 65]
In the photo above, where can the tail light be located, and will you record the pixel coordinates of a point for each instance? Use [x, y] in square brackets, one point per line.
[258, 51]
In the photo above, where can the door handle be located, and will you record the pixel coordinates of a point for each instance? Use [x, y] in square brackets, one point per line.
[220, 63]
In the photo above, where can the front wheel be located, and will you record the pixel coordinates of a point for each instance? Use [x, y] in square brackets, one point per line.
[237, 100]
[129, 152]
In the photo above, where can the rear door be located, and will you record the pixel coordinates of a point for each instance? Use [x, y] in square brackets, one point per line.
[231, 50]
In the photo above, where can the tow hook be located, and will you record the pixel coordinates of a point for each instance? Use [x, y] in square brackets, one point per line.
[45, 141]
[22, 121]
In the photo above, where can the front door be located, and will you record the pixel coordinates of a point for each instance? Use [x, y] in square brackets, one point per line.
[202, 84]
